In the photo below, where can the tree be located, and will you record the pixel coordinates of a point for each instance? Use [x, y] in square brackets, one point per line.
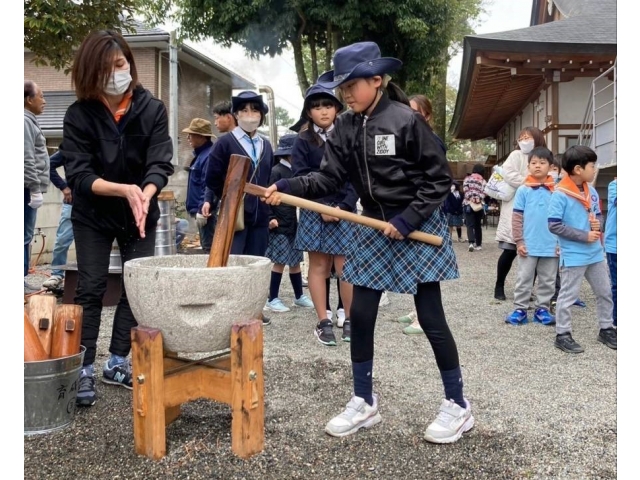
[52, 29]
[464, 150]
[282, 117]
[419, 32]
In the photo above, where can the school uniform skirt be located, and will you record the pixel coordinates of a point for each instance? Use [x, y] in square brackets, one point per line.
[382, 263]
[455, 220]
[316, 235]
[282, 251]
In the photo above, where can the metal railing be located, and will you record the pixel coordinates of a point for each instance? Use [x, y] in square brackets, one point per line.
[599, 125]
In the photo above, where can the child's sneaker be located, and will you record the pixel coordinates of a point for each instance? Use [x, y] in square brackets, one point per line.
[303, 301]
[357, 415]
[409, 318]
[609, 337]
[566, 343]
[329, 315]
[324, 333]
[580, 303]
[543, 316]
[86, 396]
[413, 329]
[452, 421]
[346, 331]
[384, 300]
[471, 247]
[276, 305]
[341, 317]
[477, 248]
[518, 317]
[118, 374]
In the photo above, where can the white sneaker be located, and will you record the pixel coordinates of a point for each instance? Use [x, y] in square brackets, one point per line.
[54, 281]
[452, 421]
[358, 414]
[471, 247]
[329, 314]
[384, 300]
[477, 248]
[341, 317]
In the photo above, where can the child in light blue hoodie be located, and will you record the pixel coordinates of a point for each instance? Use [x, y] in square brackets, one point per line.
[611, 244]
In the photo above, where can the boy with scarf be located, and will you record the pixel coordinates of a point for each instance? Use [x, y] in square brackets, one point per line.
[536, 245]
[575, 217]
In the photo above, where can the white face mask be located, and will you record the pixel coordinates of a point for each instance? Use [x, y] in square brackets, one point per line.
[554, 175]
[249, 124]
[526, 146]
[453, 189]
[118, 82]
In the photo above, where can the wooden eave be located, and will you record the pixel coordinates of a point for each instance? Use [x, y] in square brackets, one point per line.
[503, 83]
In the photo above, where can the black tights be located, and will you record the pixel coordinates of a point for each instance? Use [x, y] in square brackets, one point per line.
[428, 301]
[504, 266]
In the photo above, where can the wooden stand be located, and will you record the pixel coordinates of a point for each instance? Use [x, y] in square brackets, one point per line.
[161, 383]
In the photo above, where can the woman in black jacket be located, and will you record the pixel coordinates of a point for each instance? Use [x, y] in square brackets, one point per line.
[117, 156]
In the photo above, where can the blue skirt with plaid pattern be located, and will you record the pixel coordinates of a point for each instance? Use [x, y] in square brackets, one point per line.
[316, 235]
[382, 263]
[282, 251]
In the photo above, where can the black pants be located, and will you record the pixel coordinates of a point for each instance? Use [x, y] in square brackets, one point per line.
[428, 301]
[93, 249]
[474, 225]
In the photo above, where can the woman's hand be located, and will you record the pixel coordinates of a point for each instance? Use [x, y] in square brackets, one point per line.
[138, 202]
[273, 223]
[271, 196]
[392, 232]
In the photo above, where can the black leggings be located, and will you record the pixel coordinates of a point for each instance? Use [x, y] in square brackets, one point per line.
[474, 226]
[504, 265]
[428, 301]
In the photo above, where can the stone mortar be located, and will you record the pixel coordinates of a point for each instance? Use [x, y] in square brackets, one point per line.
[192, 305]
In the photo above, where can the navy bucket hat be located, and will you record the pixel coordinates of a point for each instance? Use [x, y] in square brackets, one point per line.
[285, 145]
[359, 60]
[315, 91]
[248, 96]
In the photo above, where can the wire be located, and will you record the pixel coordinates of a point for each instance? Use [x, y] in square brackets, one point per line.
[32, 269]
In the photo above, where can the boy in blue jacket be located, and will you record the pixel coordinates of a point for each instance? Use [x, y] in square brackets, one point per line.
[575, 217]
[611, 244]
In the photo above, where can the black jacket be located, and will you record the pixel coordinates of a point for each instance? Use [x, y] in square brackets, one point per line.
[453, 205]
[392, 158]
[137, 150]
[285, 214]
[307, 157]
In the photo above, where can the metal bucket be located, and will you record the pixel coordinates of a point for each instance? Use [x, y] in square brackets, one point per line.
[166, 228]
[115, 260]
[50, 390]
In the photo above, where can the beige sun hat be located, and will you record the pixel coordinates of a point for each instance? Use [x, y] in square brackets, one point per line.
[200, 126]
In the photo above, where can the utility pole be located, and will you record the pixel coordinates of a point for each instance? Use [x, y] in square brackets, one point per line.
[173, 95]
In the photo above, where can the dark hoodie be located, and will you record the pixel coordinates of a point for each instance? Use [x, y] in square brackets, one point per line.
[137, 150]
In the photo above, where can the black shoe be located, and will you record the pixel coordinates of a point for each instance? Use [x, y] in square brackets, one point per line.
[609, 337]
[265, 321]
[346, 330]
[566, 343]
[86, 395]
[324, 332]
[498, 293]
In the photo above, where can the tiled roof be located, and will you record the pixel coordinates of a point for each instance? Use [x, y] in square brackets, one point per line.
[142, 29]
[573, 8]
[590, 29]
[55, 109]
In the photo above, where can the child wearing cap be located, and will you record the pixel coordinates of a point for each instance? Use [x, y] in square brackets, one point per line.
[249, 110]
[283, 224]
[398, 168]
[326, 238]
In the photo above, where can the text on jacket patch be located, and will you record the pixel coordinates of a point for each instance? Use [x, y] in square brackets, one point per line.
[385, 145]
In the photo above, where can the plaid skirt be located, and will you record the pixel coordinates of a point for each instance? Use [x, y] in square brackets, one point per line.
[455, 220]
[316, 235]
[382, 263]
[282, 251]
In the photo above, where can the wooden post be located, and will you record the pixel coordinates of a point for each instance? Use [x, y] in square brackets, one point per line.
[41, 310]
[67, 330]
[148, 392]
[247, 385]
[33, 349]
[229, 205]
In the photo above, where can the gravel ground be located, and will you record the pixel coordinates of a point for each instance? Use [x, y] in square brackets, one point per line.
[540, 413]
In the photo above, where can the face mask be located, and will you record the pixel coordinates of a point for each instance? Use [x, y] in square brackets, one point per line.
[554, 175]
[453, 189]
[249, 124]
[526, 146]
[118, 83]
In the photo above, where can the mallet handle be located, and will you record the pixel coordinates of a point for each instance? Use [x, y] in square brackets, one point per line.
[341, 214]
